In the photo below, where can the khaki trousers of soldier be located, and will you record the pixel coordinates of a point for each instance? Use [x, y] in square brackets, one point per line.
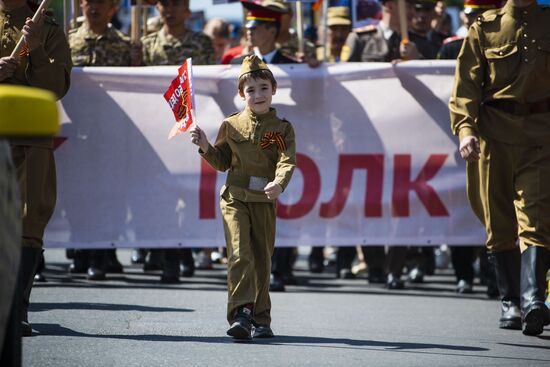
[37, 182]
[250, 237]
[509, 191]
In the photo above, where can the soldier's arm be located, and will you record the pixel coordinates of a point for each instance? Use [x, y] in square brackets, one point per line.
[50, 64]
[287, 159]
[219, 155]
[467, 92]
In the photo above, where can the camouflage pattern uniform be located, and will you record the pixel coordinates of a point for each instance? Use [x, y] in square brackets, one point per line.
[290, 47]
[160, 48]
[90, 49]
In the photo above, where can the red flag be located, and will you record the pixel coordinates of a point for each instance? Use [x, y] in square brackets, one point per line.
[179, 96]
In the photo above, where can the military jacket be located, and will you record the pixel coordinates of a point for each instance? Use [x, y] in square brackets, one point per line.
[90, 49]
[47, 67]
[253, 145]
[369, 44]
[160, 48]
[505, 58]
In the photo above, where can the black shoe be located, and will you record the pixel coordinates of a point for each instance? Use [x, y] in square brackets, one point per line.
[263, 332]
[276, 283]
[169, 278]
[241, 328]
[39, 278]
[187, 270]
[80, 262]
[394, 282]
[507, 272]
[316, 260]
[345, 274]
[26, 329]
[290, 279]
[95, 273]
[534, 265]
[464, 287]
[416, 275]
[138, 256]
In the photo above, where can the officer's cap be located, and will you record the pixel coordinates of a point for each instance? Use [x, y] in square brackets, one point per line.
[252, 63]
[479, 6]
[338, 15]
[266, 12]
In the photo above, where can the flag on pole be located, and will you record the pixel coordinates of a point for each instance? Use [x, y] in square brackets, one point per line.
[181, 99]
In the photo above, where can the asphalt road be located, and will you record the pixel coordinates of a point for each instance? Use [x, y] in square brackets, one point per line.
[132, 320]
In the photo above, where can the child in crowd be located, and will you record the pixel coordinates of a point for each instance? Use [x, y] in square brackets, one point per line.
[258, 149]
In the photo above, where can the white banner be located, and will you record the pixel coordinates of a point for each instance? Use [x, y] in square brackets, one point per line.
[377, 163]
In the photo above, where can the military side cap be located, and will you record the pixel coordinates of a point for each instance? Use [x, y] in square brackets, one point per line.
[252, 63]
[478, 6]
[27, 111]
[258, 13]
[338, 15]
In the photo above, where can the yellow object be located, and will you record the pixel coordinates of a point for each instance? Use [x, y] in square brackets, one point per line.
[27, 111]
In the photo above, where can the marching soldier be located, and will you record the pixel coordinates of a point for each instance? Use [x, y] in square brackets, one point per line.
[500, 110]
[44, 62]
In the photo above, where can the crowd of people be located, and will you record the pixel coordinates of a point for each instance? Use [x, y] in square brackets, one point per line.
[267, 33]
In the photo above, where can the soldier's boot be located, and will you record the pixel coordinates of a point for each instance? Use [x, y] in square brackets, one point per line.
[507, 271]
[241, 328]
[80, 261]
[534, 264]
[96, 270]
[30, 258]
[112, 265]
[39, 276]
[170, 266]
[187, 263]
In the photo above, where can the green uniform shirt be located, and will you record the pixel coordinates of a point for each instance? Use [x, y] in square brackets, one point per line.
[160, 48]
[47, 67]
[238, 148]
[90, 49]
[505, 58]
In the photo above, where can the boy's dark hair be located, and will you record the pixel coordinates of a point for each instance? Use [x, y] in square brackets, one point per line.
[257, 74]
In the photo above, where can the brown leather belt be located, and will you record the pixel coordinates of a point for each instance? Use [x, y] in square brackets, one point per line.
[520, 109]
[245, 181]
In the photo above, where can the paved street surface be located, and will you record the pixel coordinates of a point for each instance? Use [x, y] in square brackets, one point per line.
[132, 320]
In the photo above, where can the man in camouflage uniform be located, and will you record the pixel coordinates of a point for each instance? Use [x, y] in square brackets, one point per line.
[44, 63]
[500, 110]
[97, 43]
[172, 45]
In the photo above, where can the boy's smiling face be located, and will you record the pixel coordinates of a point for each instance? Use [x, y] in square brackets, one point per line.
[258, 94]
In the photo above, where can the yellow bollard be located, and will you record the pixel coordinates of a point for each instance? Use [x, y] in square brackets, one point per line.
[27, 111]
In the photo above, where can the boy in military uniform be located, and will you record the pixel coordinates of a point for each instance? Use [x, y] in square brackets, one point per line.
[97, 43]
[500, 109]
[44, 62]
[258, 149]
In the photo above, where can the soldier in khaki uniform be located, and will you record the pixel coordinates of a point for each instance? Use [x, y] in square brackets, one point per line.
[258, 149]
[338, 29]
[97, 43]
[44, 62]
[174, 43]
[500, 109]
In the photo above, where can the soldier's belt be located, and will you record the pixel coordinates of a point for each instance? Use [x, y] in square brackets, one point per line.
[521, 109]
[246, 182]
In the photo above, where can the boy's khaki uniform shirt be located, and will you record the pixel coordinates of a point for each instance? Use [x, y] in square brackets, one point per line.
[238, 149]
[160, 48]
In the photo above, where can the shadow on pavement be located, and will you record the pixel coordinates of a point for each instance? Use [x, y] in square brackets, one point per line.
[45, 306]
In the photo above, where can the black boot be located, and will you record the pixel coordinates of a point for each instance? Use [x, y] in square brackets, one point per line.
[507, 272]
[96, 271]
[170, 266]
[534, 264]
[187, 263]
[30, 257]
[316, 260]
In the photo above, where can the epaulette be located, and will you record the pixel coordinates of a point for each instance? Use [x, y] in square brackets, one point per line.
[489, 15]
[452, 39]
[366, 29]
